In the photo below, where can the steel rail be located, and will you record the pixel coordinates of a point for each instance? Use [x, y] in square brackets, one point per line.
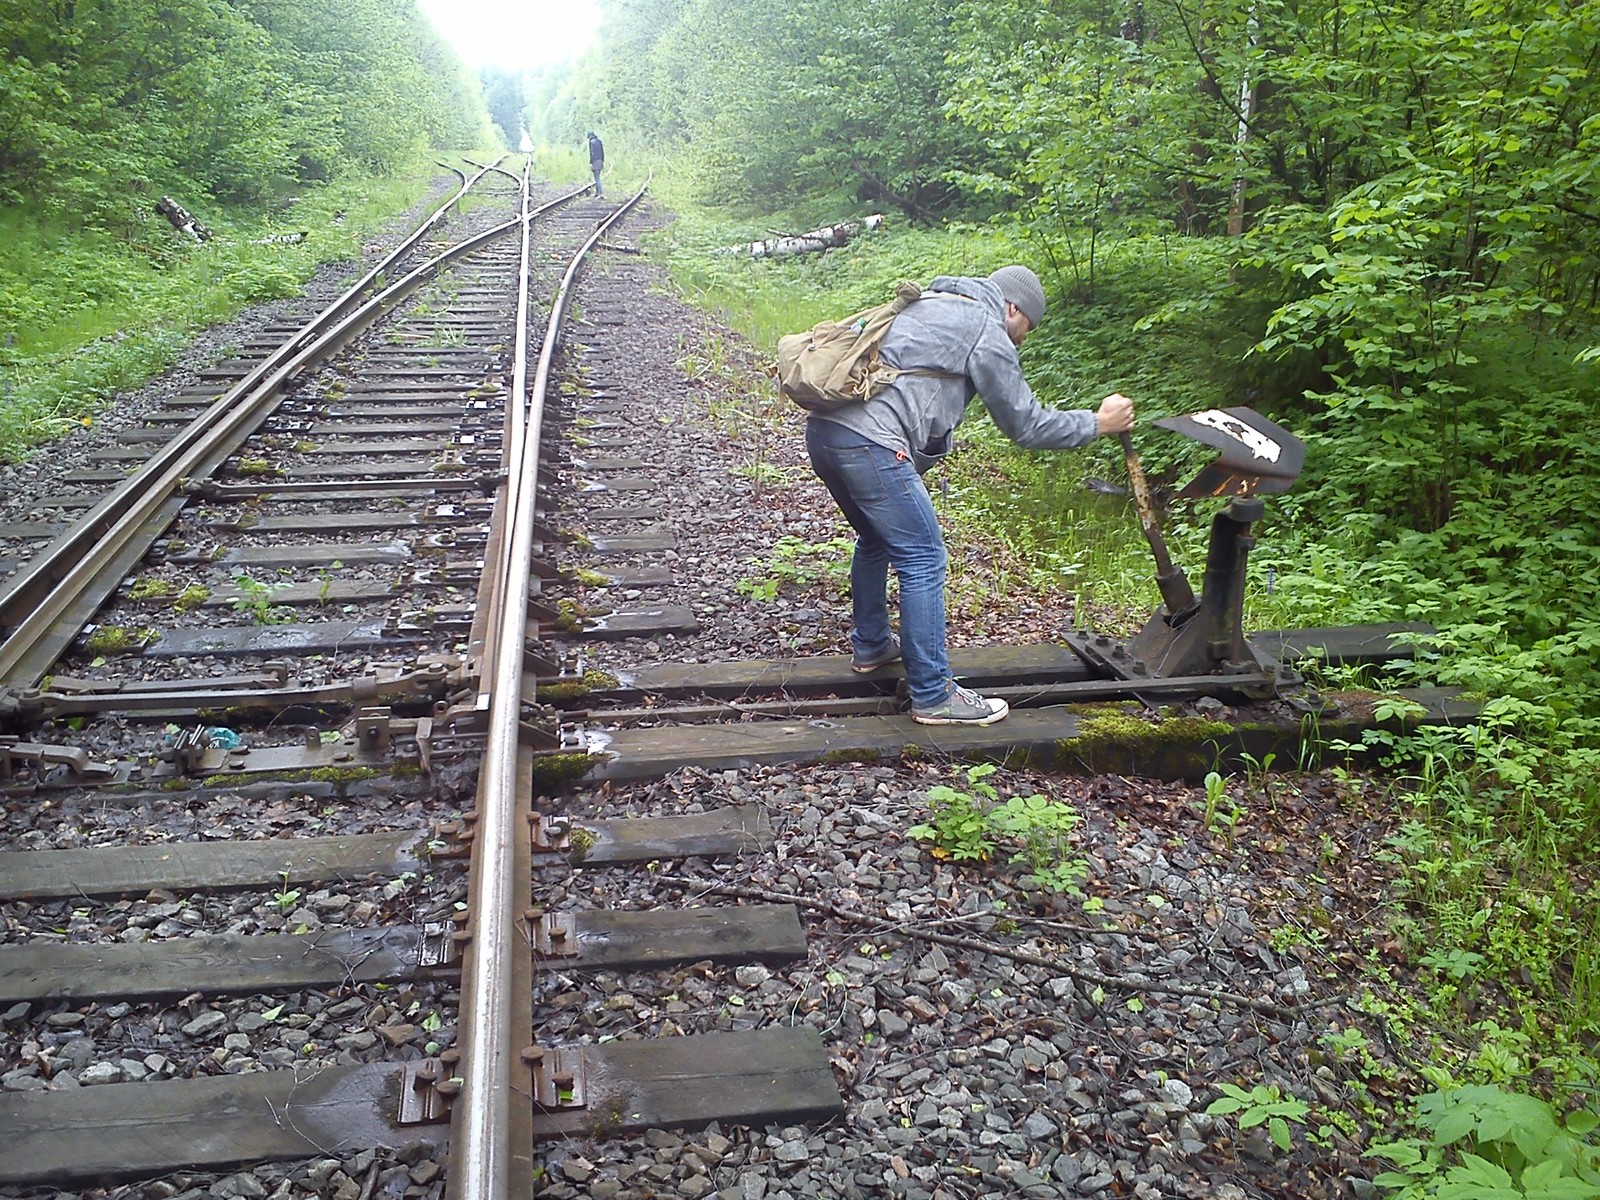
[47, 568]
[492, 593]
[481, 1149]
[43, 611]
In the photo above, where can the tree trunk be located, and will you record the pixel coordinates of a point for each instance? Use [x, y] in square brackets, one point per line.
[181, 220]
[807, 243]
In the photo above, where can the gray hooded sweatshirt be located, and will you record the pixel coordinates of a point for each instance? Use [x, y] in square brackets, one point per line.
[958, 328]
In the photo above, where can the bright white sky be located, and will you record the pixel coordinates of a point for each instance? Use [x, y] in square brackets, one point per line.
[514, 33]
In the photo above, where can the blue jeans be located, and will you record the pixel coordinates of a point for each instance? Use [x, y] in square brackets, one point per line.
[884, 500]
[596, 171]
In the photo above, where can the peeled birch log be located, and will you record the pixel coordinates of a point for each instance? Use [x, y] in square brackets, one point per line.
[807, 243]
[181, 220]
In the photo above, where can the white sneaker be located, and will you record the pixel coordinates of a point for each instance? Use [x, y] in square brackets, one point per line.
[962, 707]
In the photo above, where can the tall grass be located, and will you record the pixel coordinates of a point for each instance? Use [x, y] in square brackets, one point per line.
[87, 313]
[1497, 859]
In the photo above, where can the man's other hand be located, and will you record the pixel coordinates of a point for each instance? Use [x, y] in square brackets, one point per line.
[1115, 414]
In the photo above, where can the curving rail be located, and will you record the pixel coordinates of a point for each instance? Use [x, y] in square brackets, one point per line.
[483, 1141]
[44, 607]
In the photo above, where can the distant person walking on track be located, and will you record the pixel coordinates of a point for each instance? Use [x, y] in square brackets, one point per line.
[597, 160]
[963, 334]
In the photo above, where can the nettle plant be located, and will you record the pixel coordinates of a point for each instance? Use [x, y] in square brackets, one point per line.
[969, 826]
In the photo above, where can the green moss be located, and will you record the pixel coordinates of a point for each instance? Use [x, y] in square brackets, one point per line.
[570, 615]
[1113, 738]
[591, 578]
[552, 771]
[256, 466]
[576, 689]
[580, 841]
[342, 775]
[148, 587]
[192, 597]
[118, 639]
[339, 777]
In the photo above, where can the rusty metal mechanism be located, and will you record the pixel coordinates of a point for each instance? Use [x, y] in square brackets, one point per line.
[1189, 637]
[74, 758]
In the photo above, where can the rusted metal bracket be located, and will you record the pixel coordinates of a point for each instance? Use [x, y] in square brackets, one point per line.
[553, 934]
[448, 617]
[386, 683]
[541, 565]
[428, 1088]
[196, 751]
[547, 734]
[550, 833]
[439, 948]
[549, 662]
[454, 838]
[374, 730]
[558, 1076]
[74, 758]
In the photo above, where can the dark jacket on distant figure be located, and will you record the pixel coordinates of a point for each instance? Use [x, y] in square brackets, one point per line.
[597, 153]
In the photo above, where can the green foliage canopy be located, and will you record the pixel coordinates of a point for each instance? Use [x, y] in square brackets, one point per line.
[103, 100]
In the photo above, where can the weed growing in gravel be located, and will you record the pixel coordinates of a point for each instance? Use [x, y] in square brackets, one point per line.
[255, 598]
[959, 829]
[797, 562]
[1262, 1104]
[1216, 816]
[968, 826]
[763, 473]
[192, 597]
[325, 574]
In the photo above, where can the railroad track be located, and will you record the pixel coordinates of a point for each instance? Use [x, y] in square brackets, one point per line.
[313, 656]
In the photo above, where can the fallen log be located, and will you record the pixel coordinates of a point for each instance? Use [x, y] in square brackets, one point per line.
[826, 238]
[181, 220]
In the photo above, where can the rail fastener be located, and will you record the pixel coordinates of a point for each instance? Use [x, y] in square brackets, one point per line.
[559, 1080]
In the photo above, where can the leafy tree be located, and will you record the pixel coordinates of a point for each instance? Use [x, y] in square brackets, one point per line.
[503, 95]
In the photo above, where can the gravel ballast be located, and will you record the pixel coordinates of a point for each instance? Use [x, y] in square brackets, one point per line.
[989, 1036]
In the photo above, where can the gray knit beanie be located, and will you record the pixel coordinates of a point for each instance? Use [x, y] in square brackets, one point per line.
[1022, 287]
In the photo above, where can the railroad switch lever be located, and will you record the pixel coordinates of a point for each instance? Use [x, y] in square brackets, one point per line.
[1208, 637]
[1190, 637]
